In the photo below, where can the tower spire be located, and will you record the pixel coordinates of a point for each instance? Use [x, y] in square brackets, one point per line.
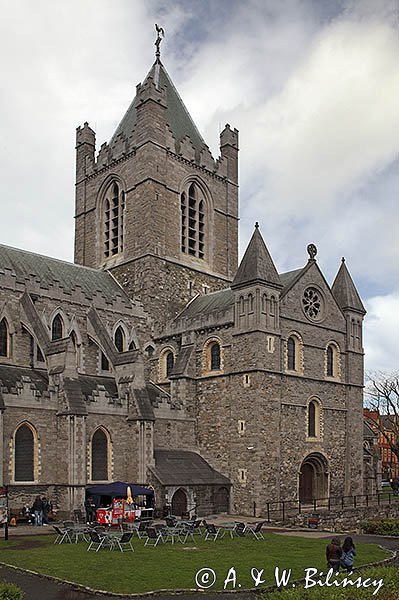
[160, 34]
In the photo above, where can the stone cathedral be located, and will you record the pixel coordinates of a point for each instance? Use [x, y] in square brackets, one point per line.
[156, 358]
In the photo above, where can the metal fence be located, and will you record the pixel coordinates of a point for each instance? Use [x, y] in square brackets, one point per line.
[284, 509]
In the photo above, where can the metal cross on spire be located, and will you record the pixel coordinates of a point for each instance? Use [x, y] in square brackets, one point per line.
[160, 34]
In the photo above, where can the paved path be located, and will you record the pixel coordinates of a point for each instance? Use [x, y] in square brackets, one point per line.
[38, 588]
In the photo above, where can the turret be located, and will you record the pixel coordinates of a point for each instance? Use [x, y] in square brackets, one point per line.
[229, 150]
[85, 149]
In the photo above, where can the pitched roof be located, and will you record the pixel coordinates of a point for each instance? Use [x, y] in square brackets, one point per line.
[177, 115]
[11, 375]
[257, 265]
[345, 292]
[181, 467]
[209, 303]
[54, 272]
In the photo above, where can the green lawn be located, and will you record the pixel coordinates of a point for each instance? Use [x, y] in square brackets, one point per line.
[173, 567]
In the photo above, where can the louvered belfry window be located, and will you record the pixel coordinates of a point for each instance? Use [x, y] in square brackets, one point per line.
[114, 207]
[24, 454]
[192, 207]
[99, 456]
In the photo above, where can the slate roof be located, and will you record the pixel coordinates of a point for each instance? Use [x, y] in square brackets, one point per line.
[345, 292]
[90, 383]
[182, 360]
[53, 272]
[74, 396]
[257, 265]
[177, 115]
[209, 303]
[10, 376]
[144, 407]
[182, 467]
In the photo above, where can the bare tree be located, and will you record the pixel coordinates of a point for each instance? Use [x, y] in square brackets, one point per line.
[382, 396]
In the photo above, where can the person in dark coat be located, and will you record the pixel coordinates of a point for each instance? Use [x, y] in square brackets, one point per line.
[90, 509]
[46, 509]
[37, 509]
[334, 554]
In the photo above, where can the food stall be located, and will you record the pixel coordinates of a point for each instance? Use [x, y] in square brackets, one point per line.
[121, 501]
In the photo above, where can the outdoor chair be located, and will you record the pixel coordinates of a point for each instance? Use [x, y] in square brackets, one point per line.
[153, 537]
[170, 521]
[239, 530]
[187, 531]
[62, 535]
[197, 527]
[124, 544]
[142, 529]
[256, 531]
[97, 541]
[213, 532]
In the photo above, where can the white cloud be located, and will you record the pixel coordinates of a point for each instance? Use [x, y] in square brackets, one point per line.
[381, 334]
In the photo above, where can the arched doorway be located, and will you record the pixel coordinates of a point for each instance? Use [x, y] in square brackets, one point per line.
[313, 478]
[179, 503]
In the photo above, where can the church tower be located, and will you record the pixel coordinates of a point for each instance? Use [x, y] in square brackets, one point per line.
[153, 206]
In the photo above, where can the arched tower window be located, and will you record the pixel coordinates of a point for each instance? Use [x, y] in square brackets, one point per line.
[100, 456]
[313, 419]
[215, 356]
[170, 361]
[114, 206]
[291, 354]
[330, 361]
[192, 205]
[24, 454]
[4, 339]
[120, 339]
[57, 328]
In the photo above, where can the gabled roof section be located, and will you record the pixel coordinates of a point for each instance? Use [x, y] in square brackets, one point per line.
[177, 115]
[182, 467]
[257, 265]
[207, 304]
[52, 272]
[345, 292]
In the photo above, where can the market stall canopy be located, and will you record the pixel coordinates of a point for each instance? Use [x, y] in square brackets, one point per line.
[118, 489]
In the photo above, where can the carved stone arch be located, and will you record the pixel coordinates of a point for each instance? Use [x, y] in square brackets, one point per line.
[209, 355]
[65, 321]
[24, 453]
[133, 342]
[180, 502]
[100, 455]
[103, 364]
[74, 326]
[332, 360]
[167, 358]
[294, 342]
[121, 325]
[209, 213]
[313, 477]
[5, 314]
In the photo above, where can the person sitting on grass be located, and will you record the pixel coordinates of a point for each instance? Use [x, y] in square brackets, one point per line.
[333, 554]
[348, 554]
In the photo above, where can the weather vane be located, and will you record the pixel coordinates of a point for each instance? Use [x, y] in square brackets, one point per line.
[160, 35]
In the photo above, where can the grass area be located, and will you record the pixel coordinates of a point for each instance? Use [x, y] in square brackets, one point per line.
[387, 577]
[173, 567]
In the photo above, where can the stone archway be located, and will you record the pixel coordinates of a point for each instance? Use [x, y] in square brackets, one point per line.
[313, 477]
[179, 503]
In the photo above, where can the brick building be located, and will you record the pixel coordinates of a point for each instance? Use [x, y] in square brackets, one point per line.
[385, 426]
[156, 358]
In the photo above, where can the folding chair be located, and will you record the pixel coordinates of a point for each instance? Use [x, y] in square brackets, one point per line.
[124, 544]
[142, 529]
[256, 531]
[97, 541]
[197, 527]
[153, 537]
[186, 531]
[213, 532]
[62, 535]
[239, 530]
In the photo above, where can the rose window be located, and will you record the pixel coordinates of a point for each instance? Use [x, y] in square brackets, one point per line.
[312, 303]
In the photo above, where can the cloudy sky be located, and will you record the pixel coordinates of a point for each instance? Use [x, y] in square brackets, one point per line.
[312, 85]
